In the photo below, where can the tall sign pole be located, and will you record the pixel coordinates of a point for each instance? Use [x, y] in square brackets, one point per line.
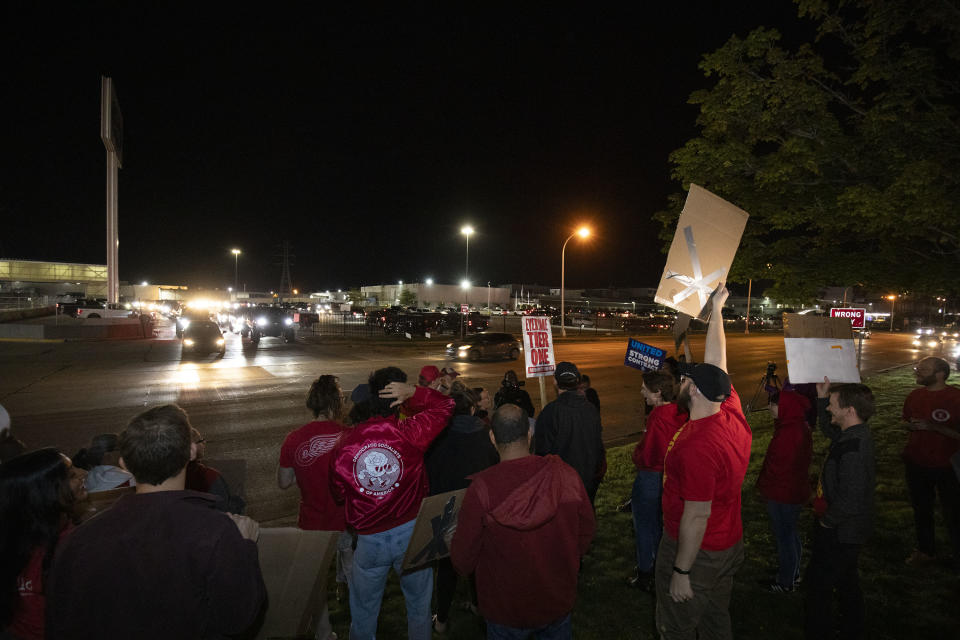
[111, 132]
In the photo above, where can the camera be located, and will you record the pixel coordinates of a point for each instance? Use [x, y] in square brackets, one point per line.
[771, 369]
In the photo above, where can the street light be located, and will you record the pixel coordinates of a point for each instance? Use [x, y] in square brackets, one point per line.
[892, 299]
[236, 267]
[583, 232]
[429, 281]
[467, 231]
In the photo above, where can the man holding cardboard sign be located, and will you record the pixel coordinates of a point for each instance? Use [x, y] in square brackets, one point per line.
[702, 544]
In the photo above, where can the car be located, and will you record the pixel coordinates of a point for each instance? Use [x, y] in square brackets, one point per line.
[202, 337]
[113, 310]
[862, 333]
[484, 345]
[270, 322]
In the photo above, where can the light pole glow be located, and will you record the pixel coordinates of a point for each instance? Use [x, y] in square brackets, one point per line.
[236, 267]
[583, 232]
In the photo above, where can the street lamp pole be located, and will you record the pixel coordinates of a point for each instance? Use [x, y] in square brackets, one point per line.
[466, 230]
[892, 299]
[236, 268]
[583, 232]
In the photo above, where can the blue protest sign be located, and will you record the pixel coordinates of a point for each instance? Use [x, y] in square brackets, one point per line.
[643, 356]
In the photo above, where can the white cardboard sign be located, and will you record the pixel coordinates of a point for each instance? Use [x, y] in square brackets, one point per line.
[818, 347]
[538, 346]
[704, 245]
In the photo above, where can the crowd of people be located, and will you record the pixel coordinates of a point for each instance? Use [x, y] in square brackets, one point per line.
[174, 557]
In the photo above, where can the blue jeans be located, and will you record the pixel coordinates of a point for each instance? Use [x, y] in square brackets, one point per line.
[374, 556]
[561, 629]
[647, 517]
[783, 521]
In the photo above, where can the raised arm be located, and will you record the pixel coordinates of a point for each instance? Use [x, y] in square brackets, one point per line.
[715, 352]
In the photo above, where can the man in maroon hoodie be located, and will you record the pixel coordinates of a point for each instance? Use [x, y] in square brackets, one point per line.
[524, 525]
[784, 482]
[377, 469]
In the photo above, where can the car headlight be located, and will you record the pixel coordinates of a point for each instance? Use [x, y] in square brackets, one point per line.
[932, 344]
[288, 321]
[220, 342]
[188, 342]
[449, 344]
[916, 343]
[261, 322]
[464, 347]
[184, 323]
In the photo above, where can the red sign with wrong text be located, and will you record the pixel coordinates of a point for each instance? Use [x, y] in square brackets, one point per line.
[858, 317]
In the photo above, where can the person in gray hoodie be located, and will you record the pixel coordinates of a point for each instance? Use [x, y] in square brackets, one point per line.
[844, 506]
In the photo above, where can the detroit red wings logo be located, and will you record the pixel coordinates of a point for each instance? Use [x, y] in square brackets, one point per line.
[377, 469]
[309, 451]
[940, 415]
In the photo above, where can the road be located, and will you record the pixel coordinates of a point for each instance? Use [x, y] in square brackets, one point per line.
[61, 394]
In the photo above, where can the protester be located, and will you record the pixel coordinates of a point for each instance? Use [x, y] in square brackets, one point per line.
[932, 415]
[570, 428]
[589, 392]
[378, 471]
[305, 458]
[702, 545]
[511, 393]
[160, 563]
[523, 528]
[36, 502]
[101, 459]
[445, 381]
[659, 391]
[784, 482]
[206, 479]
[360, 405]
[484, 404]
[844, 507]
[463, 449]
[428, 376]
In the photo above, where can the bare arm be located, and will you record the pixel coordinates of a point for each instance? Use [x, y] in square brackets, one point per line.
[693, 524]
[715, 352]
[286, 477]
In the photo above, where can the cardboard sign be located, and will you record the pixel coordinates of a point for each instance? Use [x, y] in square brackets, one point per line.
[538, 346]
[294, 564]
[643, 356]
[857, 316]
[818, 347]
[434, 529]
[708, 234]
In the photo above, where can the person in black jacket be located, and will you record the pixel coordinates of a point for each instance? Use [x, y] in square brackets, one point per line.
[844, 506]
[570, 428]
[462, 450]
[511, 393]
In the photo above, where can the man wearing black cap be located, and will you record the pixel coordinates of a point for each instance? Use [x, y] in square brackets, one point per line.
[702, 544]
[570, 428]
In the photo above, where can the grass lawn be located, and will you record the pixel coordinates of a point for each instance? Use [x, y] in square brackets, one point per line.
[902, 602]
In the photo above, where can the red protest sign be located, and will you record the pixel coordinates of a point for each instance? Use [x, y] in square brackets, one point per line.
[858, 317]
[538, 346]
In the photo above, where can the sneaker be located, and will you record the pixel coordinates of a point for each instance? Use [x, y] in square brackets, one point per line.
[919, 558]
[641, 580]
[439, 627]
[776, 587]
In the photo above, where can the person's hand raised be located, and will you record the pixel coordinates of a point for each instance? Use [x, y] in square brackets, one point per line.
[823, 388]
[399, 391]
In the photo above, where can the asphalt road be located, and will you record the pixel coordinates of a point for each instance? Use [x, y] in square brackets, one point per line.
[61, 394]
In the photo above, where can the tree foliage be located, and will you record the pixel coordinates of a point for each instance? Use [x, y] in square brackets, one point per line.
[844, 150]
[408, 298]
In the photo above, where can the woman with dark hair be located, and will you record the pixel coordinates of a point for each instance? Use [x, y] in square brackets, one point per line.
[36, 501]
[305, 461]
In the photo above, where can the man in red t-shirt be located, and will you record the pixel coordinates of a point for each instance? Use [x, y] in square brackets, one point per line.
[706, 461]
[932, 415]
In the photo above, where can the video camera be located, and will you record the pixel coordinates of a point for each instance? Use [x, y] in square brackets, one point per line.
[771, 370]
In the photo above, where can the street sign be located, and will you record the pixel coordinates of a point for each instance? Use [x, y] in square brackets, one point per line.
[464, 308]
[643, 356]
[857, 316]
[538, 346]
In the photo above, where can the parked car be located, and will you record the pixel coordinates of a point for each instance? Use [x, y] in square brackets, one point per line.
[113, 310]
[202, 337]
[484, 345]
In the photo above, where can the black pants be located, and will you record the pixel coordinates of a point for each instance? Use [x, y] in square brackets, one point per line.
[833, 566]
[923, 483]
[447, 585]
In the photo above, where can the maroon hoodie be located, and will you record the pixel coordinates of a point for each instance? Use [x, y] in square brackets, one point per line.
[785, 473]
[523, 527]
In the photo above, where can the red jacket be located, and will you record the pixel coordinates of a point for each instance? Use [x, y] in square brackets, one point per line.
[377, 467]
[786, 467]
[523, 527]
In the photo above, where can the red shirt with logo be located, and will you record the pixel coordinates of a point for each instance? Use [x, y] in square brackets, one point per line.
[706, 462]
[28, 615]
[662, 423]
[308, 451]
[941, 408]
[377, 467]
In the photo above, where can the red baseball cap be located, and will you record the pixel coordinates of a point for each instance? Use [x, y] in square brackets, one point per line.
[429, 373]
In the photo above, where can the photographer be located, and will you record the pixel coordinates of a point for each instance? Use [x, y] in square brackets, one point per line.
[511, 393]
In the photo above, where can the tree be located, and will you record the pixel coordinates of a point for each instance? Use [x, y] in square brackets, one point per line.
[845, 151]
[408, 298]
[355, 296]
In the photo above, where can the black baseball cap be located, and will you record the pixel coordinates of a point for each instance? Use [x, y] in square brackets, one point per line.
[712, 381]
[567, 372]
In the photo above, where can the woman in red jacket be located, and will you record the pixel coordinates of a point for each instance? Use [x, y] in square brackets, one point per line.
[784, 482]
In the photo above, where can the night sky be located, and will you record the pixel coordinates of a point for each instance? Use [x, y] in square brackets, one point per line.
[364, 139]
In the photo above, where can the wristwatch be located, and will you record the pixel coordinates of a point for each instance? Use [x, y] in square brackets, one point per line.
[677, 569]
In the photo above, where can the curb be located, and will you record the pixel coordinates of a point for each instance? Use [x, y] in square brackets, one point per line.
[40, 340]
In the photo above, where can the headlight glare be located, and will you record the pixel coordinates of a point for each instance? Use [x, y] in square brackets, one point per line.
[188, 342]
